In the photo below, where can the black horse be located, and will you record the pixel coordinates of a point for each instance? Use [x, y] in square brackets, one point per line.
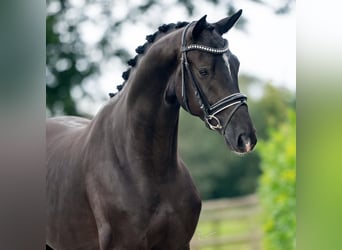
[116, 181]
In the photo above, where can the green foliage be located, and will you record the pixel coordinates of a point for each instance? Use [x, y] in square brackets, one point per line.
[271, 110]
[278, 185]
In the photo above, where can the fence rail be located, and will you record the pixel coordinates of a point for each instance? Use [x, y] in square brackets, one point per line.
[229, 224]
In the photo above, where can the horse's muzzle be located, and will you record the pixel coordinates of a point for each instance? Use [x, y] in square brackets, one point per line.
[244, 142]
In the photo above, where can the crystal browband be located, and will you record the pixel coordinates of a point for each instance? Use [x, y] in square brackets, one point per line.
[205, 48]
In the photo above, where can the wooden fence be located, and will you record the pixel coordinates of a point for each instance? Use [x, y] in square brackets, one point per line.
[229, 224]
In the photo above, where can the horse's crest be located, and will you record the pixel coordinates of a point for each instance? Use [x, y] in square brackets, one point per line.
[162, 30]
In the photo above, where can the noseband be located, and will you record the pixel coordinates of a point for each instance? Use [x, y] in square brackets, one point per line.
[210, 111]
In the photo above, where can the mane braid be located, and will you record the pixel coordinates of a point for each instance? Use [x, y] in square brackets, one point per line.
[140, 50]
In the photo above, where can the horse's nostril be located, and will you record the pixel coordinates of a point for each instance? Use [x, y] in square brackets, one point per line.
[244, 143]
[241, 141]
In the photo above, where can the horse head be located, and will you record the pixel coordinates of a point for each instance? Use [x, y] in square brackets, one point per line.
[206, 82]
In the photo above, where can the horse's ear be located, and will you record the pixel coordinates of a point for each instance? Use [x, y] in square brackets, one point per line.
[227, 23]
[199, 27]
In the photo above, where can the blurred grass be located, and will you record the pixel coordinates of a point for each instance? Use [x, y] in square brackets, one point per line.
[228, 226]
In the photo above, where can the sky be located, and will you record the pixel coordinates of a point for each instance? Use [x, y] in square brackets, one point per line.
[266, 49]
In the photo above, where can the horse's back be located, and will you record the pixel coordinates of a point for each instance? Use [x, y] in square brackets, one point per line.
[64, 123]
[67, 206]
[62, 131]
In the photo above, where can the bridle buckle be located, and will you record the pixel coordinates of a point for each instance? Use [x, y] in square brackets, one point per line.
[217, 124]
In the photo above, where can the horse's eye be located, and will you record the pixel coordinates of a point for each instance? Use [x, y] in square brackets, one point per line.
[203, 72]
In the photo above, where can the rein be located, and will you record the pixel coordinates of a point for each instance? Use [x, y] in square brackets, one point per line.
[210, 111]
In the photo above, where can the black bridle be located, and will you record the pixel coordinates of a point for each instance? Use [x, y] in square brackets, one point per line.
[236, 99]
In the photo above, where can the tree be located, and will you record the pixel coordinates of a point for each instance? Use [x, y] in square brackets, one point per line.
[271, 110]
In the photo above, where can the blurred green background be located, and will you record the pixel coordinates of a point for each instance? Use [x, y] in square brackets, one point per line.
[270, 171]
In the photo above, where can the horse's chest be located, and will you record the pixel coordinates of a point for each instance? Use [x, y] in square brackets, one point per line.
[174, 221]
[164, 216]
[151, 215]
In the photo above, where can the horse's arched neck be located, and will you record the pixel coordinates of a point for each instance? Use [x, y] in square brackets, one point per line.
[152, 120]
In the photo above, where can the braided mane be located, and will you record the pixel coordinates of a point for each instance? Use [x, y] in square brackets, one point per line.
[140, 50]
